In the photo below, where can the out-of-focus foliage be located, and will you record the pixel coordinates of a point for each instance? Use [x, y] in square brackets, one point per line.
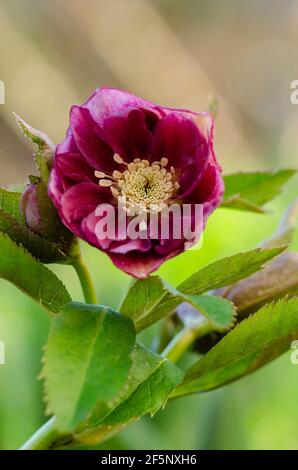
[251, 344]
[250, 191]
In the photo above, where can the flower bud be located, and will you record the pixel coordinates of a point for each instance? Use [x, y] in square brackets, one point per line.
[42, 217]
[30, 209]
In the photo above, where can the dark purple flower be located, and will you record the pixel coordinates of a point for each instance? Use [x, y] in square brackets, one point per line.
[121, 145]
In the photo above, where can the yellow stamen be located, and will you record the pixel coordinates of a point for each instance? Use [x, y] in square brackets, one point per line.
[118, 159]
[105, 183]
[100, 174]
[114, 191]
[117, 174]
[143, 186]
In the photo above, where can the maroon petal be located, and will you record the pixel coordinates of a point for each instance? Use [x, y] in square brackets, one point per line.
[106, 102]
[55, 188]
[137, 264]
[184, 229]
[165, 247]
[86, 134]
[215, 197]
[89, 230]
[74, 167]
[205, 123]
[178, 139]
[209, 191]
[68, 144]
[131, 245]
[129, 135]
[81, 199]
[111, 245]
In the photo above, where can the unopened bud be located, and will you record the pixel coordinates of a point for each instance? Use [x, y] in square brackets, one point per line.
[42, 218]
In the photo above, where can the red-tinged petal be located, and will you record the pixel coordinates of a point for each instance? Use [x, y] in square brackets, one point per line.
[55, 188]
[205, 123]
[81, 199]
[131, 245]
[75, 167]
[166, 247]
[86, 134]
[129, 135]
[137, 264]
[68, 144]
[209, 191]
[106, 102]
[178, 139]
[90, 232]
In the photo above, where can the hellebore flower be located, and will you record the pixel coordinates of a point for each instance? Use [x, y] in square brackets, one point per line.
[121, 147]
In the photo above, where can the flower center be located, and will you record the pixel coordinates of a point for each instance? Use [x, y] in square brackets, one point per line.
[142, 186]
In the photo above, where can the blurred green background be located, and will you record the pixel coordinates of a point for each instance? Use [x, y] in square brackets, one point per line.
[175, 52]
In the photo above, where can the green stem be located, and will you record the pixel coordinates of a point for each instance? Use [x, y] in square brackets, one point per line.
[85, 280]
[43, 438]
[181, 342]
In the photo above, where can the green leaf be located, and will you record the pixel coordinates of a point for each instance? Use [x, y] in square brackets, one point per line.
[237, 202]
[142, 304]
[144, 363]
[34, 279]
[228, 270]
[150, 300]
[10, 203]
[87, 361]
[149, 397]
[45, 147]
[150, 382]
[220, 312]
[250, 191]
[250, 345]
[142, 299]
[40, 248]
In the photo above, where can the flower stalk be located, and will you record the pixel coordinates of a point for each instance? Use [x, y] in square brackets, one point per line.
[183, 340]
[85, 280]
[43, 438]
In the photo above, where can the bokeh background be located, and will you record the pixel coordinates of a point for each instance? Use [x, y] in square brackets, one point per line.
[53, 53]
